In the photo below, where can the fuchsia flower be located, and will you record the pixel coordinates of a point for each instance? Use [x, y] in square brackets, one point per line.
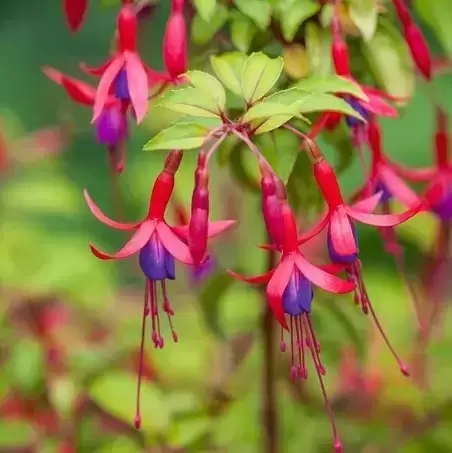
[342, 237]
[111, 126]
[125, 74]
[75, 11]
[415, 40]
[159, 247]
[290, 292]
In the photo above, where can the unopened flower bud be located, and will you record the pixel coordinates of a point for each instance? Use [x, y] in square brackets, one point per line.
[175, 45]
[419, 50]
[198, 226]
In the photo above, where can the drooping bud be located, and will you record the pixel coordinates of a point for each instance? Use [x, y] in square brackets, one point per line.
[441, 138]
[175, 45]
[127, 28]
[271, 205]
[402, 12]
[75, 11]
[419, 50]
[177, 6]
[339, 50]
[164, 185]
[198, 226]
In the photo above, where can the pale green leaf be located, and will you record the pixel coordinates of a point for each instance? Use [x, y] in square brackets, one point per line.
[321, 102]
[389, 58]
[268, 109]
[242, 32]
[208, 85]
[187, 431]
[205, 9]
[260, 74]
[17, 435]
[259, 11]
[287, 97]
[191, 101]
[364, 15]
[294, 13]
[270, 124]
[332, 83]
[318, 48]
[116, 394]
[179, 136]
[203, 31]
[228, 68]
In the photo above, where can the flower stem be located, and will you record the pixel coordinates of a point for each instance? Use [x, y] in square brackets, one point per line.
[269, 409]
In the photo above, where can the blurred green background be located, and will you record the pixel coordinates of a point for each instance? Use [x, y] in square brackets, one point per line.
[203, 394]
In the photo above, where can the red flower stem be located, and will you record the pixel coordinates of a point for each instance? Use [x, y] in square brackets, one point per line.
[215, 146]
[115, 192]
[269, 406]
[313, 150]
[253, 148]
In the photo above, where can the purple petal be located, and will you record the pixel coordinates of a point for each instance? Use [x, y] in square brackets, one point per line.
[297, 297]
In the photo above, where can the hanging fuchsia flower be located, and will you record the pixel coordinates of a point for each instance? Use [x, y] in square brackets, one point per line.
[290, 293]
[175, 41]
[415, 40]
[158, 247]
[75, 12]
[125, 74]
[342, 237]
[111, 126]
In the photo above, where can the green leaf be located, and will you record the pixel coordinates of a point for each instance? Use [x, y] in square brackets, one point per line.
[210, 298]
[260, 74]
[186, 432]
[438, 15]
[364, 15]
[116, 394]
[203, 31]
[16, 434]
[341, 141]
[228, 68]
[332, 83]
[389, 58]
[179, 136]
[121, 444]
[294, 13]
[205, 9]
[318, 48]
[269, 109]
[191, 101]
[259, 11]
[242, 31]
[319, 102]
[240, 171]
[208, 85]
[26, 366]
[63, 394]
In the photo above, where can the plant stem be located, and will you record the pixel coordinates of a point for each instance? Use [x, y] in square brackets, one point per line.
[269, 409]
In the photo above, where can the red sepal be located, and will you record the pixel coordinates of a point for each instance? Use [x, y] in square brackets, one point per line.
[136, 243]
[341, 233]
[384, 220]
[173, 244]
[138, 85]
[106, 220]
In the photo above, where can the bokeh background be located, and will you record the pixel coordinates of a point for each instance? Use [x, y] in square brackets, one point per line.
[69, 332]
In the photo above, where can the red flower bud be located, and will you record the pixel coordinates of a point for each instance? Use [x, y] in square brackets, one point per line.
[198, 226]
[75, 11]
[441, 138]
[127, 28]
[177, 6]
[341, 61]
[402, 12]
[419, 50]
[175, 45]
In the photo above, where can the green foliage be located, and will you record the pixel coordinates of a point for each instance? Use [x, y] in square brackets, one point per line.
[365, 16]
[293, 13]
